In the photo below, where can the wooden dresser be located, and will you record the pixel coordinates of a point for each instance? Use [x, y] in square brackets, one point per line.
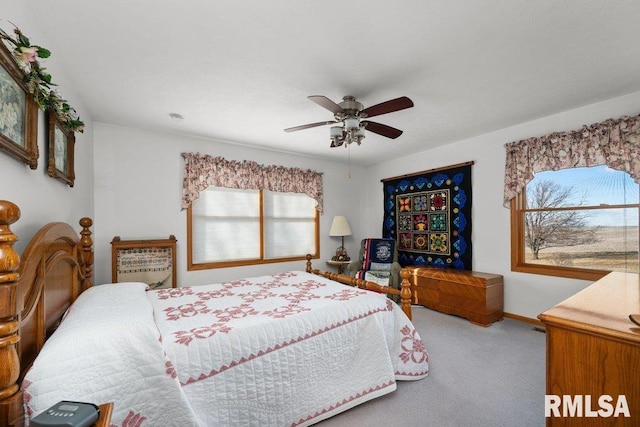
[476, 296]
[594, 349]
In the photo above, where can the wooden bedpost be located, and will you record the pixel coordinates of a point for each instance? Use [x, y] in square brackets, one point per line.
[11, 413]
[405, 292]
[87, 253]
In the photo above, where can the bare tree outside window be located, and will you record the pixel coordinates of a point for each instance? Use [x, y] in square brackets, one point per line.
[555, 228]
[577, 220]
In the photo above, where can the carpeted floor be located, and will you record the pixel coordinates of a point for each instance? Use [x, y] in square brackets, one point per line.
[488, 377]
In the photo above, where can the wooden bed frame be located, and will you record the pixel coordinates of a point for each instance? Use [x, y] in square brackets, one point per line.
[404, 292]
[37, 288]
[58, 262]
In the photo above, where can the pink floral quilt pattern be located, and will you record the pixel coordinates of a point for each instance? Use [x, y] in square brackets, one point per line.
[288, 349]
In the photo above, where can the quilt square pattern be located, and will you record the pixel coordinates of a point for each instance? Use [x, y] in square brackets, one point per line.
[429, 215]
[423, 221]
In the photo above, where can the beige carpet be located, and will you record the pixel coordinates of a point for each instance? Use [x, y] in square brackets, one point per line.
[478, 376]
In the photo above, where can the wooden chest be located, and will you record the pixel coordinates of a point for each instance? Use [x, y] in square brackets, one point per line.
[476, 296]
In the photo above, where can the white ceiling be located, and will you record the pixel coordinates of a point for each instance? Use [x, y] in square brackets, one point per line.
[240, 71]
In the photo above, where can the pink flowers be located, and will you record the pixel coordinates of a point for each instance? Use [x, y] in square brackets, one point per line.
[38, 80]
[26, 55]
[412, 346]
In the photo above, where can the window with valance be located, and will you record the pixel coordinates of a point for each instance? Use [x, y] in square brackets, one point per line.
[202, 171]
[242, 213]
[560, 188]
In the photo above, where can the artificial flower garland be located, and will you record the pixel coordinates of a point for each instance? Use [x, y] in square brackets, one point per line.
[38, 80]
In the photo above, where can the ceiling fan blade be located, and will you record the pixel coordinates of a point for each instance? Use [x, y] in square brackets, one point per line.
[381, 129]
[387, 107]
[337, 143]
[310, 125]
[325, 102]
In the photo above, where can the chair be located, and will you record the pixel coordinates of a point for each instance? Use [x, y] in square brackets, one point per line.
[377, 262]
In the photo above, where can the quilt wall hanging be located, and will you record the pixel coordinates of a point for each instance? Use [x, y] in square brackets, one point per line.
[429, 215]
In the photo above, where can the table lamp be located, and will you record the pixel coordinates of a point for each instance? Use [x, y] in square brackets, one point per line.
[340, 227]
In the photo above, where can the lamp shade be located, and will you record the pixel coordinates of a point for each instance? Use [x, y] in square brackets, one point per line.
[340, 226]
[351, 124]
[335, 131]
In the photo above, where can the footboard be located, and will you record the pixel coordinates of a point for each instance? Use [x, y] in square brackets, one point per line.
[404, 292]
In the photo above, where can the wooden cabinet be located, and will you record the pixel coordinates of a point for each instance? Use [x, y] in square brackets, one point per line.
[593, 349]
[473, 295]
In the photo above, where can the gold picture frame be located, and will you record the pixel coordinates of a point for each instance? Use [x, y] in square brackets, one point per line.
[149, 261]
[19, 124]
[61, 156]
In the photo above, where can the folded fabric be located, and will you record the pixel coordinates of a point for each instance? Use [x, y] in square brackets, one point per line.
[378, 254]
[379, 277]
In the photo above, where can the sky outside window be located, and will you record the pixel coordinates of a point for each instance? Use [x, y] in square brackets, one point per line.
[595, 186]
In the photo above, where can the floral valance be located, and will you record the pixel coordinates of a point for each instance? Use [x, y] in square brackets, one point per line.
[615, 143]
[202, 171]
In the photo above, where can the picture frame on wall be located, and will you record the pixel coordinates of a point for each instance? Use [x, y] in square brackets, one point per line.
[19, 113]
[149, 261]
[61, 146]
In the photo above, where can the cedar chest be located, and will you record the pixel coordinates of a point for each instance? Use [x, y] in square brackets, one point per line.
[478, 297]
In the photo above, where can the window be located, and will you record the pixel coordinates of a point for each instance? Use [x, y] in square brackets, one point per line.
[580, 223]
[229, 227]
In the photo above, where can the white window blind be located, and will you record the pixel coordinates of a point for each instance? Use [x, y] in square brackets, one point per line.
[289, 225]
[226, 225]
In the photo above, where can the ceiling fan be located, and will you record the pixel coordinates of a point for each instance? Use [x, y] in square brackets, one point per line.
[350, 114]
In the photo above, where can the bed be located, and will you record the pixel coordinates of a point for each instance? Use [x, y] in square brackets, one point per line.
[290, 349]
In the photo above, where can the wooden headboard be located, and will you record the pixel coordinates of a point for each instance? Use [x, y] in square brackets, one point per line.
[57, 260]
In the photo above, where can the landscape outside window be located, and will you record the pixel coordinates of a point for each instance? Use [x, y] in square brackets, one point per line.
[584, 218]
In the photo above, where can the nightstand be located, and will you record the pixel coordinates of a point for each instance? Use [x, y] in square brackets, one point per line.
[105, 415]
[339, 264]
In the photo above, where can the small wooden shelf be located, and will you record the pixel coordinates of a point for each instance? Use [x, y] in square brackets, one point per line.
[339, 264]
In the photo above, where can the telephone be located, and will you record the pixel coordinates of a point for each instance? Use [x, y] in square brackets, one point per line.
[68, 414]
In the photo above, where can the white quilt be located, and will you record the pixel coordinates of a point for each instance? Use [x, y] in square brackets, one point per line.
[107, 349]
[285, 350]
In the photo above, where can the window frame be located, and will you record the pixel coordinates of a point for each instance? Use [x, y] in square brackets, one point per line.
[518, 261]
[191, 266]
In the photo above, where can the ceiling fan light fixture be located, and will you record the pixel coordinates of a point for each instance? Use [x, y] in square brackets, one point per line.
[358, 135]
[336, 135]
[351, 124]
[335, 131]
[349, 114]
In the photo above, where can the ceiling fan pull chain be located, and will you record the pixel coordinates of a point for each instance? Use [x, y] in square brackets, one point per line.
[349, 149]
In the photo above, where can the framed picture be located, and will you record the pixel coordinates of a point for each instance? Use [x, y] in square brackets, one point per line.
[19, 112]
[61, 151]
[149, 261]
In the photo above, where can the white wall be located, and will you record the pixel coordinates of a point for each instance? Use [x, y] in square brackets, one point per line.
[525, 294]
[43, 199]
[138, 190]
